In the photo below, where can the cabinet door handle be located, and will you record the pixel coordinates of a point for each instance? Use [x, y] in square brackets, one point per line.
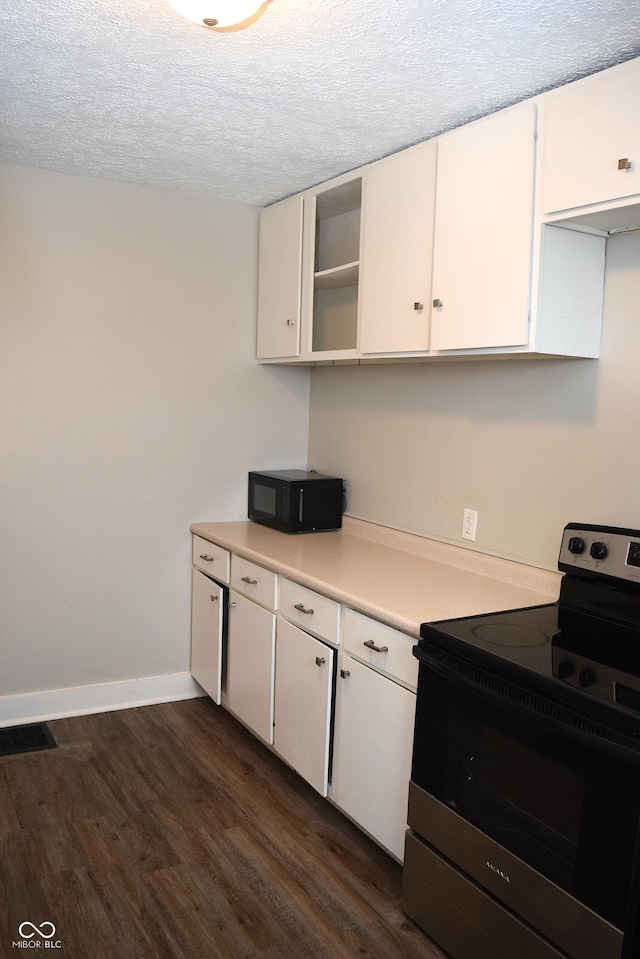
[251, 582]
[437, 303]
[214, 599]
[207, 559]
[377, 649]
[624, 163]
[345, 673]
[301, 609]
[291, 322]
[418, 306]
[232, 605]
[320, 660]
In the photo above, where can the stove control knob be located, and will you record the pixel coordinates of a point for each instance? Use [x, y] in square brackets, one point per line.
[565, 669]
[599, 550]
[588, 678]
[577, 545]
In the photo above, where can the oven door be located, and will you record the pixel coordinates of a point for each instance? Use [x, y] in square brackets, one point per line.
[540, 813]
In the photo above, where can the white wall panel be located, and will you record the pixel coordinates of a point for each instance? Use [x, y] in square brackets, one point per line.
[130, 405]
[531, 445]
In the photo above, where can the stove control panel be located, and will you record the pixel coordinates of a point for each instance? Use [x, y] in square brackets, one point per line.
[606, 550]
[596, 679]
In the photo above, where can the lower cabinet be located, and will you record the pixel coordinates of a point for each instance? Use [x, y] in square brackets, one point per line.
[250, 664]
[303, 703]
[207, 633]
[349, 731]
[372, 752]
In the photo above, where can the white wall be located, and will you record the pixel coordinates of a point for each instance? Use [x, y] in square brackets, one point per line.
[531, 445]
[131, 405]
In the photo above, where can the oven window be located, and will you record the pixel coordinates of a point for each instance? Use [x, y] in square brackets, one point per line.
[523, 796]
[568, 811]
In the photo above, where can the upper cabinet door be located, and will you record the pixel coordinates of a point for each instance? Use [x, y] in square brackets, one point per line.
[590, 140]
[397, 223]
[483, 232]
[279, 279]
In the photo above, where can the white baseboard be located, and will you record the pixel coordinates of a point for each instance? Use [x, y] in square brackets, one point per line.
[103, 697]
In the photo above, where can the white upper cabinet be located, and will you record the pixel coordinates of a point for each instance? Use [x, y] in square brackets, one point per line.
[279, 279]
[452, 248]
[397, 251]
[590, 139]
[483, 232]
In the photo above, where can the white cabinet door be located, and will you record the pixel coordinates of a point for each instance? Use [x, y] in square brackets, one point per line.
[395, 281]
[304, 671]
[279, 279]
[250, 664]
[587, 128]
[483, 232]
[207, 617]
[372, 755]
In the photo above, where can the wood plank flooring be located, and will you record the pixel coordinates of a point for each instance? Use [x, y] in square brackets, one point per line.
[169, 832]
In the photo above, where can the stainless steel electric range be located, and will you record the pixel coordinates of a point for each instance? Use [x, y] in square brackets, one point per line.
[524, 806]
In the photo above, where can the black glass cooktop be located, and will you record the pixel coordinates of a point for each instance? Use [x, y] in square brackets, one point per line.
[592, 656]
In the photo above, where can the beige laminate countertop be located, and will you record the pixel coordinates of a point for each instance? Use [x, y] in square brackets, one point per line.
[398, 578]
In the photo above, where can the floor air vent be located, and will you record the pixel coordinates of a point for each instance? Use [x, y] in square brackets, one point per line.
[22, 739]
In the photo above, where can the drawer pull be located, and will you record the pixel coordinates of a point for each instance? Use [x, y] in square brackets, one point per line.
[251, 582]
[207, 559]
[345, 673]
[377, 649]
[624, 163]
[301, 609]
[320, 660]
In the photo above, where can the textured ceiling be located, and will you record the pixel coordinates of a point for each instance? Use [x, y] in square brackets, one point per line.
[128, 90]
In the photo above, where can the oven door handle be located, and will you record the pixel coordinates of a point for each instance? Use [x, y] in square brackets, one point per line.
[628, 755]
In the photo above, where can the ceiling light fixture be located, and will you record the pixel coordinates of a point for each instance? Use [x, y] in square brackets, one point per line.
[221, 15]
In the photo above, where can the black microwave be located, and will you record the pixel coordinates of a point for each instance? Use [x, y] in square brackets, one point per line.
[295, 501]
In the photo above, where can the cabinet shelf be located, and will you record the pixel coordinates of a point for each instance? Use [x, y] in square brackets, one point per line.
[338, 276]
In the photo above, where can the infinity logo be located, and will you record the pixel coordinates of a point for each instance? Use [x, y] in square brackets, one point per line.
[37, 929]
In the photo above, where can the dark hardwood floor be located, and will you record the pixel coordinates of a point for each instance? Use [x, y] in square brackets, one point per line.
[169, 831]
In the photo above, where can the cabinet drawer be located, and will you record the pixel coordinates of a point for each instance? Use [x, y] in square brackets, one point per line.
[256, 582]
[315, 613]
[211, 559]
[381, 646]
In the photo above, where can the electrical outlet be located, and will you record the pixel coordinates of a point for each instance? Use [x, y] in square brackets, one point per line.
[469, 523]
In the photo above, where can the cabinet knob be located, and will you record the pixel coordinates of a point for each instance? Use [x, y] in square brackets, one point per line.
[320, 660]
[251, 582]
[624, 163]
[301, 609]
[377, 649]
[344, 673]
[214, 599]
[207, 559]
[291, 322]
[437, 303]
[232, 605]
[418, 306]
